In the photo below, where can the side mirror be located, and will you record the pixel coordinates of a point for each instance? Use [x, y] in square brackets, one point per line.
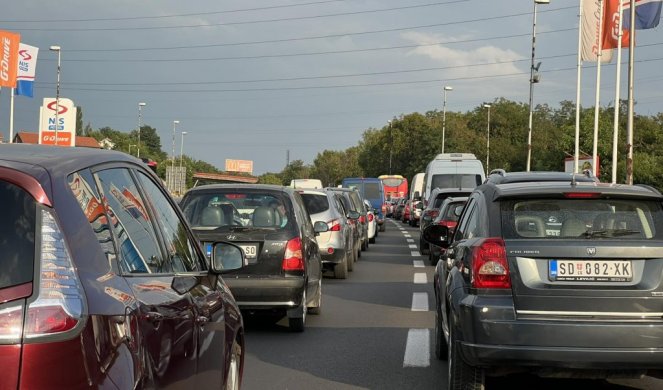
[226, 257]
[437, 235]
[353, 214]
[320, 227]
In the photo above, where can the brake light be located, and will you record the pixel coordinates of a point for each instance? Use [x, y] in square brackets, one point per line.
[370, 217]
[362, 219]
[582, 195]
[11, 322]
[490, 268]
[293, 260]
[449, 224]
[334, 225]
[59, 305]
[433, 213]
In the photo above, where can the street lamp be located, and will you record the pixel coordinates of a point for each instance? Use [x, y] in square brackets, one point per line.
[444, 113]
[533, 78]
[391, 146]
[140, 124]
[57, 92]
[486, 105]
[182, 148]
[175, 123]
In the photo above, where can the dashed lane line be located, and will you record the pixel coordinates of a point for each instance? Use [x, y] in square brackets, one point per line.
[420, 301]
[417, 348]
[412, 246]
[415, 253]
[420, 278]
[418, 263]
[410, 240]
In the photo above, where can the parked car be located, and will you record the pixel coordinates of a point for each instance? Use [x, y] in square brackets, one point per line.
[391, 206]
[103, 283]
[448, 216]
[372, 222]
[355, 202]
[337, 244]
[283, 270]
[567, 274]
[432, 210]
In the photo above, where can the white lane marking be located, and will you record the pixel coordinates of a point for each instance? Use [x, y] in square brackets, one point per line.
[412, 246]
[418, 263]
[420, 278]
[410, 240]
[414, 253]
[407, 235]
[417, 348]
[420, 301]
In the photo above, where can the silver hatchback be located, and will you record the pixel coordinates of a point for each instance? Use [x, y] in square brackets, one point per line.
[337, 244]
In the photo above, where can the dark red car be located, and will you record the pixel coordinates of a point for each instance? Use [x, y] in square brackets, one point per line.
[103, 284]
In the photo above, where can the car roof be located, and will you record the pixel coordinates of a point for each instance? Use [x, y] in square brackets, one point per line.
[242, 186]
[439, 190]
[499, 176]
[557, 188]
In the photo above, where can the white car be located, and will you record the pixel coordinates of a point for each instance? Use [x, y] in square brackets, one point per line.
[372, 222]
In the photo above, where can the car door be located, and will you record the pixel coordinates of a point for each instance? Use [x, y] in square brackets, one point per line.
[313, 261]
[167, 323]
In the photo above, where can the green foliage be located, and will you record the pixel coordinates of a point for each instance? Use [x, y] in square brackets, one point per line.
[270, 178]
[295, 170]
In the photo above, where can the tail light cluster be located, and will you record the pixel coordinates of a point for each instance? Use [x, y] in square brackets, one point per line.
[293, 259]
[490, 268]
[362, 219]
[371, 217]
[334, 225]
[59, 305]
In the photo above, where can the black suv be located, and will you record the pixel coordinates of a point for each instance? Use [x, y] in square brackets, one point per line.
[432, 210]
[283, 269]
[558, 278]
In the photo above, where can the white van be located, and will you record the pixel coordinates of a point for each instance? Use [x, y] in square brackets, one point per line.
[309, 184]
[453, 170]
[417, 185]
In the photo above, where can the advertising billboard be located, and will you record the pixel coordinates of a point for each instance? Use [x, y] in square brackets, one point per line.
[584, 163]
[239, 166]
[66, 126]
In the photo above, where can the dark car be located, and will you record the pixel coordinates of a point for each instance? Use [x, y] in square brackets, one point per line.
[399, 207]
[448, 216]
[559, 279]
[354, 202]
[432, 210]
[283, 273]
[103, 283]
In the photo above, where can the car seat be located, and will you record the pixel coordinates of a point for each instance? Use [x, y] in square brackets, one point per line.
[573, 227]
[264, 216]
[530, 226]
[212, 216]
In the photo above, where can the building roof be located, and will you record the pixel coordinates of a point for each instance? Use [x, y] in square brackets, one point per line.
[26, 137]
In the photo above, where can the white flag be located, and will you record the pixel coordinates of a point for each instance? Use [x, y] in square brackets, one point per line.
[591, 20]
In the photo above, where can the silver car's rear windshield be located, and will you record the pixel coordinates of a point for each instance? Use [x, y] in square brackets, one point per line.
[593, 219]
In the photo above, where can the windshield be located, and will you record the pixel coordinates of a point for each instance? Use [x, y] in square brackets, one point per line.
[455, 181]
[582, 218]
[393, 182]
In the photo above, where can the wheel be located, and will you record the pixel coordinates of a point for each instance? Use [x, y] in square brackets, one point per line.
[461, 376]
[165, 354]
[364, 244]
[297, 321]
[359, 251]
[372, 240]
[441, 349]
[317, 307]
[341, 269]
[352, 260]
[432, 258]
[423, 247]
[232, 376]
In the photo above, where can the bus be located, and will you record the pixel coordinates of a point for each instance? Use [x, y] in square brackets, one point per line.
[395, 186]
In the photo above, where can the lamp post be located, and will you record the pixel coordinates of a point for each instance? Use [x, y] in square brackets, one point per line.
[57, 92]
[175, 123]
[182, 148]
[391, 146]
[533, 78]
[444, 113]
[140, 124]
[486, 105]
[182, 183]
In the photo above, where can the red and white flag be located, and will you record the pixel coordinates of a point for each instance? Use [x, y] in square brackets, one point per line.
[591, 25]
[611, 25]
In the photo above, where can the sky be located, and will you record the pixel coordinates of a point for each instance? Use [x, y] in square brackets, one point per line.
[264, 80]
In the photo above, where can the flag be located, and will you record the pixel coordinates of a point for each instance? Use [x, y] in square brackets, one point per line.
[590, 24]
[8, 58]
[27, 62]
[647, 14]
[611, 25]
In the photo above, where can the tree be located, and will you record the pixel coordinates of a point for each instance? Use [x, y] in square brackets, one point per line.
[295, 170]
[79, 121]
[270, 178]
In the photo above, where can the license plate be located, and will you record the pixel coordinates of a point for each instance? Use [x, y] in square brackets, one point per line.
[250, 251]
[590, 270]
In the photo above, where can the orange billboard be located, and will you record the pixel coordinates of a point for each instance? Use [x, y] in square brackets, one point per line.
[8, 58]
[239, 166]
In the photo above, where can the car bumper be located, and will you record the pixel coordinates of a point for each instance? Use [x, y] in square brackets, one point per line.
[499, 338]
[332, 258]
[266, 292]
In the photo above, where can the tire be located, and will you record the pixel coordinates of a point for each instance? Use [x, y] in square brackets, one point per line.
[372, 240]
[351, 260]
[462, 376]
[341, 269]
[315, 310]
[165, 354]
[298, 323]
[423, 247]
[432, 259]
[441, 347]
[234, 369]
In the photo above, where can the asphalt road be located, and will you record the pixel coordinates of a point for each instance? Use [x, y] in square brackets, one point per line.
[375, 331]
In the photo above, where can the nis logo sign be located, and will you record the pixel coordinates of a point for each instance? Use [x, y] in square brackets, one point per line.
[53, 105]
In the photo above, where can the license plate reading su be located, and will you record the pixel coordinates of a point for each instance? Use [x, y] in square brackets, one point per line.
[590, 270]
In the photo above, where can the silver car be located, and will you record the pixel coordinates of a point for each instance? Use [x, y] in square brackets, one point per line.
[337, 244]
[372, 221]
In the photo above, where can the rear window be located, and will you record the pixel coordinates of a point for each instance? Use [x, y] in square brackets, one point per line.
[440, 198]
[315, 203]
[455, 181]
[17, 235]
[596, 219]
[242, 208]
[372, 191]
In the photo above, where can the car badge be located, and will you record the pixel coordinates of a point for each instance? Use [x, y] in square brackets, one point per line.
[231, 237]
[591, 251]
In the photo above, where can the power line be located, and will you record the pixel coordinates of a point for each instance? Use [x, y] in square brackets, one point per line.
[289, 19]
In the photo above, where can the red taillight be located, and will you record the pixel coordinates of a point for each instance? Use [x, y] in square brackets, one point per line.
[334, 225]
[362, 219]
[293, 260]
[330, 251]
[370, 217]
[582, 195]
[449, 224]
[49, 319]
[11, 323]
[433, 213]
[490, 268]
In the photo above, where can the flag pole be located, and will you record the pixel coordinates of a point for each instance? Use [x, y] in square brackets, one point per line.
[597, 101]
[615, 126]
[579, 73]
[11, 115]
[629, 126]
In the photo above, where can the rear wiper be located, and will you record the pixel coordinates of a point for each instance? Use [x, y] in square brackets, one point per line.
[610, 233]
